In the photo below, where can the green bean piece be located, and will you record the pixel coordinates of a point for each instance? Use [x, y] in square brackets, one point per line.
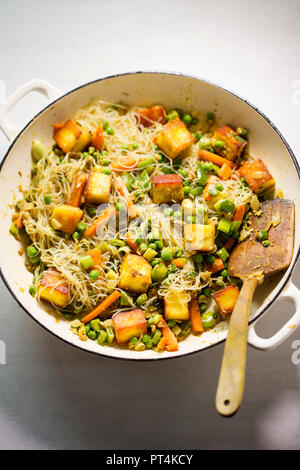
[102, 337]
[141, 299]
[86, 262]
[95, 324]
[150, 254]
[266, 243]
[47, 199]
[167, 254]
[146, 162]
[157, 336]
[110, 335]
[224, 225]
[222, 253]
[76, 235]
[32, 290]
[263, 235]
[227, 206]
[92, 335]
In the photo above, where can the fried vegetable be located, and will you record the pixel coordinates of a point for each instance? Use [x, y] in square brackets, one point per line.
[54, 288]
[135, 274]
[167, 188]
[153, 114]
[176, 306]
[65, 218]
[226, 298]
[199, 237]
[98, 188]
[234, 144]
[174, 138]
[66, 135]
[257, 176]
[129, 324]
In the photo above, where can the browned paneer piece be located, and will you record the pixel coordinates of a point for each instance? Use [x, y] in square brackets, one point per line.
[176, 306]
[199, 237]
[71, 136]
[234, 144]
[129, 324]
[226, 298]
[98, 188]
[135, 274]
[174, 138]
[54, 288]
[153, 114]
[167, 188]
[65, 218]
[257, 176]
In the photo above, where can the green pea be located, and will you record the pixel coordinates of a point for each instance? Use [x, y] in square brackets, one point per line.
[32, 290]
[263, 235]
[106, 172]
[205, 143]
[196, 192]
[92, 211]
[177, 215]
[110, 131]
[183, 173]
[213, 192]
[76, 235]
[141, 299]
[125, 147]
[95, 324]
[198, 258]
[94, 274]
[167, 170]
[159, 273]
[172, 115]
[92, 335]
[149, 344]
[187, 119]
[87, 327]
[266, 243]
[14, 230]
[133, 341]
[81, 226]
[224, 273]
[143, 247]
[210, 116]
[194, 121]
[242, 132]
[219, 144]
[190, 219]
[47, 199]
[110, 335]
[135, 146]
[227, 206]
[105, 161]
[168, 212]
[152, 246]
[186, 189]
[120, 207]
[167, 254]
[210, 259]
[146, 338]
[202, 307]
[159, 244]
[207, 291]
[219, 187]
[31, 251]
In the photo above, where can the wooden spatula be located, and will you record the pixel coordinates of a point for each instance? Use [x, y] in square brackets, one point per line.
[251, 261]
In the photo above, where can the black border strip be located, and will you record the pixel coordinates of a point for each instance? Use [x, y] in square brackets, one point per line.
[292, 155]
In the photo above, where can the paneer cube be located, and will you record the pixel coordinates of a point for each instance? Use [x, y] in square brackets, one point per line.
[257, 176]
[234, 144]
[135, 274]
[199, 237]
[98, 188]
[226, 299]
[174, 138]
[67, 135]
[65, 218]
[148, 115]
[129, 324]
[167, 188]
[176, 306]
[54, 288]
[83, 141]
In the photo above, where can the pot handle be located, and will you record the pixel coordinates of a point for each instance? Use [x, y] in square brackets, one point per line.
[38, 85]
[291, 294]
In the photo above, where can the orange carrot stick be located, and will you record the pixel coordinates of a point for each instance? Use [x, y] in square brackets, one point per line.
[18, 222]
[179, 262]
[121, 187]
[216, 266]
[100, 221]
[102, 307]
[77, 190]
[98, 138]
[195, 316]
[129, 238]
[96, 256]
[172, 344]
[225, 171]
[211, 184]
[162, 344]
[216, 159]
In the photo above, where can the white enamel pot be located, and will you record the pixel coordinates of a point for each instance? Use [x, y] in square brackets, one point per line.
[144, 88]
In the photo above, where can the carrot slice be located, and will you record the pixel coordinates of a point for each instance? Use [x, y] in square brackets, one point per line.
[216, 266]
[100, 221]
[211, 184]
[162, 344]
[95, 254]
[129, 238]
[77, 190]
[121, 187]
[98, 138]
[179, 262]
[126, 163]
[102, 307]
[172, 344]
[225, 171]
[18, 222]
[216, 159]
[195, 316]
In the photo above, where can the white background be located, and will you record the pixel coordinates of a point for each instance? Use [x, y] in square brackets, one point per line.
[53, 396]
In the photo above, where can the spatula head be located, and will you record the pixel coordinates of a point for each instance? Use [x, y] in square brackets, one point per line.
[251, 257]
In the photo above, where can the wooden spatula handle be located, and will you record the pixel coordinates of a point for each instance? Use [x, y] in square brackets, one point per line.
[232, 375]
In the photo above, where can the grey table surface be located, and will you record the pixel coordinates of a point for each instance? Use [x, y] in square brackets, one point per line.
[53, 396]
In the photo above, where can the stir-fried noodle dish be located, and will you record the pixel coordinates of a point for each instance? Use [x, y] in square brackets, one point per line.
[129, 220]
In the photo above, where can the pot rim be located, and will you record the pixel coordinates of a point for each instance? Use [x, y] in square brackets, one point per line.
[157, 72]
